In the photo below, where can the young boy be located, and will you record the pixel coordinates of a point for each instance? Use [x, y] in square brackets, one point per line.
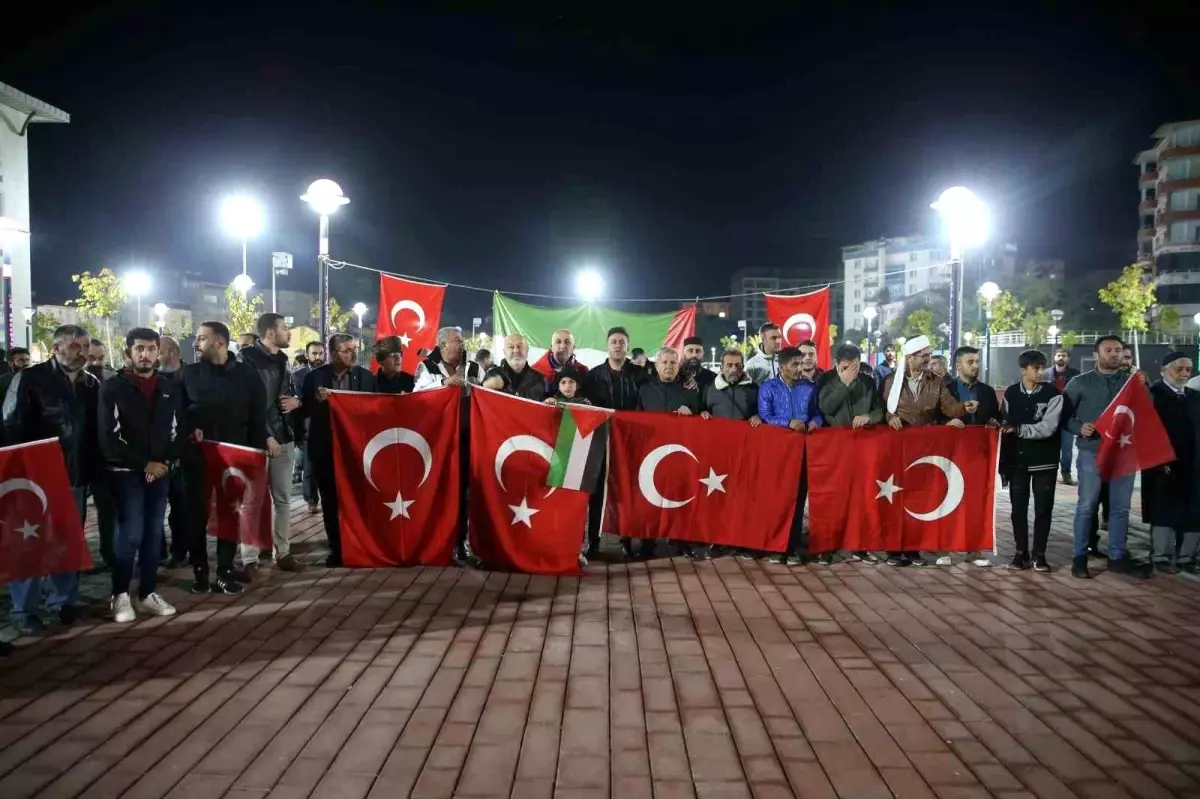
[568, 390]
[1029, 455]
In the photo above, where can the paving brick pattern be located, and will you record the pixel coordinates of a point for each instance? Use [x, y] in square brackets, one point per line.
[660, 679]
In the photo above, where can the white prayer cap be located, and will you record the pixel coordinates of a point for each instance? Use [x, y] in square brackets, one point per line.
[915, 345]
[911, 347]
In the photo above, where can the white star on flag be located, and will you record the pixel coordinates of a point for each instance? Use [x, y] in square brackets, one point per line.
[1126, 441]
[887, 488]
[28, 531]
[523, 513]
[404, 339]
[399, 507]
[714, 482]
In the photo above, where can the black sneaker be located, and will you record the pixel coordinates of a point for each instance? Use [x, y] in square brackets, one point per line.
[918, 561]
[627, 548]
[1129, 567]
[1020, 561]
[226, 584]
[748, 554]
[897, 561]
[865, 557]
[68, 614]
[1067, 480]
[200, 584]
[1040, 564]
[825, 558]
[1079, 568]
[792, 559]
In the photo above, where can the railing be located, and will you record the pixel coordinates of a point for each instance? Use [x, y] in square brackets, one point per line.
[1016, 338]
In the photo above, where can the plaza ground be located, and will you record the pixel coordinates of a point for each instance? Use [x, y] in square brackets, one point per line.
[660, 679]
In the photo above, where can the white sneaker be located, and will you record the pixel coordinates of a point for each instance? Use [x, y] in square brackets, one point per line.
[944, 560]
[155, 605]
[122, 609]
[981, 562]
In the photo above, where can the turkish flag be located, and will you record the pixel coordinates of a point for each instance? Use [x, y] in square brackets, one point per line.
[802, 317]
[411, 311]
[1132, 437]
[398, 484]
[714, 481]
[41, 527]
[922, 488]
[239, 500]
[519, 523]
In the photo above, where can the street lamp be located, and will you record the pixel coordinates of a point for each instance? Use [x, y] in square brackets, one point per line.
[589, 285]
[360, 310]
[989, 291]
[243, 219]
[1052, 332]
[869, 313]
[1057, 316]
[28, 313]
[160, 310]
[967, 223]
[325, 197]
[137, 284]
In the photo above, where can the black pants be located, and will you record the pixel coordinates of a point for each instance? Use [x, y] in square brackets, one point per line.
[796, 542]
[197, 503]
[177, 515]
[596, 510]
[1094, 533]
[106, 519]
[1043, 482]
[464, 475]
[312, 494]
[327, 485]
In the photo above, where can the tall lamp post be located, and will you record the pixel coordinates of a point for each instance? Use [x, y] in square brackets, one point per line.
[243, 219]
[989, 291]
[137, 284]
[360, 310]
[1057, 316]
[325, 197]
[160, 310]
[1196, 319]
[28, 313]
[967, 222]
[869, 313]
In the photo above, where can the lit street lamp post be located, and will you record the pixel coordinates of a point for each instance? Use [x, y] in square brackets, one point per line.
[137, 284]
[325, 197]
[160, 310]
[1057, 316]
[967, 220]
[28, 313]
[243, 219]
[360, 311]
[989, 291]
[869, 313]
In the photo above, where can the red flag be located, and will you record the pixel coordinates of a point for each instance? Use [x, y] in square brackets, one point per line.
[239, 504]
[411, 311]
[398, 505]
[41, 531]
[923, 488]
[712, 481]
[1132, 436]
[517, 521]
[683, 326]
[801, 317]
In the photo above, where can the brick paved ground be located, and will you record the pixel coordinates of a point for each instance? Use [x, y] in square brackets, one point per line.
[665, 679]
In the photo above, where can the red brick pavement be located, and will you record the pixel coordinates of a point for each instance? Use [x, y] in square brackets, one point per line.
[663, 679]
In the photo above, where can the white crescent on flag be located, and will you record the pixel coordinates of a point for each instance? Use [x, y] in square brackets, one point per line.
[396, 435]
[646, 476]
[415, 307]
[796, 320]
[522, 443]
[21, 484]
[955, 487]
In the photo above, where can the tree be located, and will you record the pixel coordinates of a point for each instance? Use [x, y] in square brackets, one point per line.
[44, 325]
[101, 297]
[920, 323]
[477, 342]
[242, 310]
[339, 320]
[302, 336]
[1168, 319]
[1068, 340]
[1007, 313]
[833, 333]
[1130, 296]
[747, 347]
[1036, 324]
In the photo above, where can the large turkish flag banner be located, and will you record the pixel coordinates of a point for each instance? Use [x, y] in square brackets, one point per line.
[396, 462]
[412, 311]
[922, 488]
[239, 502]
[1132, 436]
[713, 481]
[802, 317]
[517, 522]
[41, 530]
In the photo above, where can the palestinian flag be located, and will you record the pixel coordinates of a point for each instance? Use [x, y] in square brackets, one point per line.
[580, 449]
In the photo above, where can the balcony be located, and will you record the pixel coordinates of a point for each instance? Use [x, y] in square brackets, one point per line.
[1148, 178]
[1145, 232]
[1149, 204]
[1167, 217]
[1169, 186]
[1179, 152]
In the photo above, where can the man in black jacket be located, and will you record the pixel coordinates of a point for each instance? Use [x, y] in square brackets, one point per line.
[140, 436]
[170, 362]
[668, 393]
[1170, 500]
[56, 399]
[314, 356]
[692, 365]
[268, 359]
[223, 401]
[514, 375]
[391, 378]
[340, 374]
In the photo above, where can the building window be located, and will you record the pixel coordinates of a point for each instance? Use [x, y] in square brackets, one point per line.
[1187, 232]
[857, 307]
[1187, 200]
[912, 256]
[1188, 137]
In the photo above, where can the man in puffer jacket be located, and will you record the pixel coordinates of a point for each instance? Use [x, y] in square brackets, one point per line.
[733, 395]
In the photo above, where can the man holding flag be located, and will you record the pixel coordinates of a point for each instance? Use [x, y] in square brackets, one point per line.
[1170, 500]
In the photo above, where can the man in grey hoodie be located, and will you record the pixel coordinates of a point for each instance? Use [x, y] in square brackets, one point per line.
[1087, 396]
[764, 364]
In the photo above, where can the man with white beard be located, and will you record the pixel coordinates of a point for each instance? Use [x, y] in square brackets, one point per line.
[514, 375]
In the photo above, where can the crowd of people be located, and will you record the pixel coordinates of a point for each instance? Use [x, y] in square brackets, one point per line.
[131, 438]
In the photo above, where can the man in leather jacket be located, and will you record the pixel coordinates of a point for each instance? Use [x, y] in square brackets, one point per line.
[268, 359]
[56, 399]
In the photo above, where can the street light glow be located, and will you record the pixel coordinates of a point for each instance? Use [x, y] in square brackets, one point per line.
[243, 283]
[325, 196]
[242, 217]
[359, 308]
[966, 218]
[1196, 318]
[989, 291]
[160, 309]
[869, 313]
[589, 284]
[137, 284]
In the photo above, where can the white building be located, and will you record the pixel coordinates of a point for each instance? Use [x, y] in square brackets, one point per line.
[889, 270]
[1169, 214]
[17, 111]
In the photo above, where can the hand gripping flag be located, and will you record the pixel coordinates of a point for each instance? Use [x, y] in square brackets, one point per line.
[1132, 437]
[239, 502]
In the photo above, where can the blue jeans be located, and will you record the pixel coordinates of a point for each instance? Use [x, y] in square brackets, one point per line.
[60, 589]
[141, 507]
[1066, 451]
[1120, 494]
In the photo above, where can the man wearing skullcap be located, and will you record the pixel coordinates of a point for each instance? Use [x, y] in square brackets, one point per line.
[915, 397]
[1170, 499]
[692, 367]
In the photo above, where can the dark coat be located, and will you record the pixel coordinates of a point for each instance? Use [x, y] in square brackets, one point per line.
[616, 391]
[225, 403]
[655, 395]
[839, 404]
[1171, 493]
[399, 383]
[273, 369]
[738, 401]
[320, 429]
[132, 433]
[985, 395]
[42, 402]
[527, 383]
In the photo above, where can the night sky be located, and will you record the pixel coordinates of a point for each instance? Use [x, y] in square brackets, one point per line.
[669, 147]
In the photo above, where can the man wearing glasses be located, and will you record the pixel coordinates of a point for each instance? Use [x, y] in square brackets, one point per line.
[342, 373]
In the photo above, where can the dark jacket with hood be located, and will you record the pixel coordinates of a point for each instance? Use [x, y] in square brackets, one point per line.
[226, 403]
[42, 402]
[1169, 495]
[273, 371]
[840, 403]
[320, 430]
[616, 390]
[135, 429]
[731, 401]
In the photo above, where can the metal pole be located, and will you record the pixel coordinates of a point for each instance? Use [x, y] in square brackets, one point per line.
[987, 337]
[956, 298]
[273, 288]
[4, 272]
[323, 278]
[243, 256]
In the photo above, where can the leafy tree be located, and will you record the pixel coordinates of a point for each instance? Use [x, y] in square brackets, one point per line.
[1036, 324]
[920, 323]
[101, 297]
[1068, 340]
[747, 347]
[833, 334]
[339, 320]
[1130, 296]
[302, 336]
[44, 325]
[477, 342]
[243, 311]
[1168, 319]
[1007, 312]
